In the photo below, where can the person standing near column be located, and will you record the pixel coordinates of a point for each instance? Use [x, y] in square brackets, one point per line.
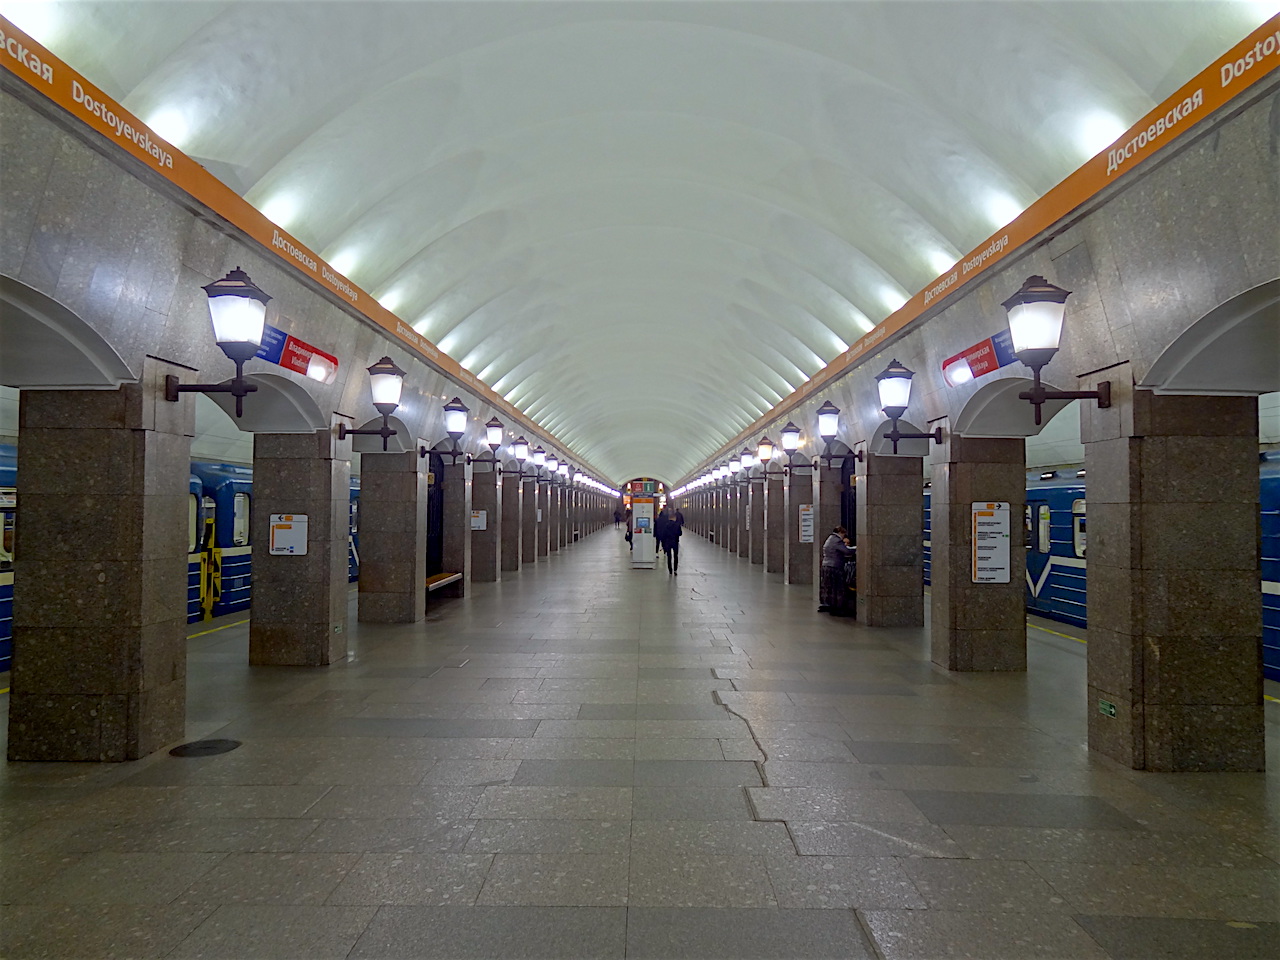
[834, 553]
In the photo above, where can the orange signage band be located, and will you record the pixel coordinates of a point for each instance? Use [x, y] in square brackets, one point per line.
[42, 71]
[1249, 62]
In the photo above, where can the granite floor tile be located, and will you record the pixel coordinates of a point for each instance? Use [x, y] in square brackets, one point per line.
[487, 933]
[691, 803]
[574, 773]
[730, 728]
[470, 773]
[744, 934]
[422, 879]
[833, 804]
[674, 838]
[397, 802]
[916, 754]
[815, 838]
[984, 886]
[843, 883]
[196, 802]
[678, 749]
[816, 750]
[1125, 890]
[402, 835]
[554, 803]
[53, 931]
[931, 934]
[699, 880]
[1017, 810]
[268, 932]
[828, 776]
[1183, 939]
[271, 878]
[609, 837]
[694, 773]
[556, 880]
[369, 771]
[593, 729]
[122, 878]
[550, 748]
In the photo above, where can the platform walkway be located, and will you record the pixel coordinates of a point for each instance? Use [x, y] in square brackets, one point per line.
[591, 761]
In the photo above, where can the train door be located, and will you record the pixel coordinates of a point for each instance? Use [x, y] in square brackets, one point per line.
[210, 576]
[8, 520]
[353, 536]
[1037, 530]
[849, 497]
[435, 515]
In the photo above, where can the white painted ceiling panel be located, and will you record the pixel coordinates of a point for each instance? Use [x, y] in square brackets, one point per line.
[643, 223]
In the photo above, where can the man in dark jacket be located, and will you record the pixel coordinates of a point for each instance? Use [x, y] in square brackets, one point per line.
[667, 531]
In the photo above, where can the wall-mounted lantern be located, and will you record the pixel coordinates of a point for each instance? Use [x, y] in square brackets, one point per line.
[386, 382]
[238, 312]
[894, 384]
[1036, 313]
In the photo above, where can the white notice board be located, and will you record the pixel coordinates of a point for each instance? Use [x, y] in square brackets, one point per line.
[806, 523]
[288, 534]
[479, 520]
[991, 543]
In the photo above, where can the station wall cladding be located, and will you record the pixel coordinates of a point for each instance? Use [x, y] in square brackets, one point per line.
[126, 251]
[1171, 239]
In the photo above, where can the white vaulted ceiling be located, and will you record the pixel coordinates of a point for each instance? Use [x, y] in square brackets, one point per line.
[644, 224]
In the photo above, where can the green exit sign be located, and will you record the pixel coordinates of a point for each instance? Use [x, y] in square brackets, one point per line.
[1107, 708]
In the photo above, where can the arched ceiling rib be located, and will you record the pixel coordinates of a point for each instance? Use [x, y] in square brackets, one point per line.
[643, 223]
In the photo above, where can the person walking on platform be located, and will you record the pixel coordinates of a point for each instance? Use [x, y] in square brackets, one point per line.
[834, 554]
[667, 529]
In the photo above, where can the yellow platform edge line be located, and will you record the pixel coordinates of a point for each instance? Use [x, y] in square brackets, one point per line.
[225, 626]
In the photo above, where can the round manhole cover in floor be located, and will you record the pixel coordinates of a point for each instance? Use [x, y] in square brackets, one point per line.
[204, 748]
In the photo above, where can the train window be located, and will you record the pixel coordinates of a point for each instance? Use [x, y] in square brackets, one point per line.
[1077, 526]
[193, 523]
[240, 520]
[355, 516]
[8, 517]
[1029, 529]
[1042, 534]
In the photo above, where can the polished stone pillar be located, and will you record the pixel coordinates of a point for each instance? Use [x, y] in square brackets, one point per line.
[528, 518]
[456, 552]
[486, 543]
[755, 520]
[975, 626]
[890, 517]
[731, 521]
[300, 602]
[542, 493]
[393, 537]
[744, 517]
[555, 504]
[800, 556]
[1174, 618]
[100, 586]
[775, 527]
[512, 518]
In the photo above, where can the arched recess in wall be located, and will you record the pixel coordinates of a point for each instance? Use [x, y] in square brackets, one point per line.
[994, 410]
[278, 406]
[402, 442]
[1233, 350]
[883, 447]
[47, 346]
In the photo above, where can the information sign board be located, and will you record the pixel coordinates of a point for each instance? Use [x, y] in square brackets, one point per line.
[479, 520]
[806, 523]
[288, 534]
[990, 542]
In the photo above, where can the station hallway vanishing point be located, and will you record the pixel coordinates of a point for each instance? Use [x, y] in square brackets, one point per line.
[590, 761]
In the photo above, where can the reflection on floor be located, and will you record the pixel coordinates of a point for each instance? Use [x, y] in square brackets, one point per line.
[591, 761]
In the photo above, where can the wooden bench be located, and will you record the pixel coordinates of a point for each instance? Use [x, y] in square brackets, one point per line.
[438, 581]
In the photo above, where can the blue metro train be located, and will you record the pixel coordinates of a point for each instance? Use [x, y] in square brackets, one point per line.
[219, 552]
[1054, 527]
